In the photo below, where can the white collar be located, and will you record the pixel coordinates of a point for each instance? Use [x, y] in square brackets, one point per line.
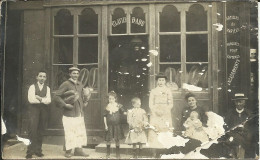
[39, 84]
[240, 111]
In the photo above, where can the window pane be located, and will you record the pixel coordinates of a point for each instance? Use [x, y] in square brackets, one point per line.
[169, 19]
[196, 18]
[89, 76]
[63, 23]
[118, 21]
[197, 48]
[138, 21]
[88, 22]
[173, 72]
[88, 50]
[197, 75]
[63, 51]
[60, 74]
[170, 48]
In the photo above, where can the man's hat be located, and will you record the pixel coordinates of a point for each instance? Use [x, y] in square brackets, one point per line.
[238, 96]
[73, 69]
[160, 75]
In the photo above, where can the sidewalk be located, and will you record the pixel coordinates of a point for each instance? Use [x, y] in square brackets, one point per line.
[18, 151]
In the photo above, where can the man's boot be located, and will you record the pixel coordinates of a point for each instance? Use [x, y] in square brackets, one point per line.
[79, 152]
[117, 152]
[139, 153]
[108, 151]
[134, 153]
[68, 153]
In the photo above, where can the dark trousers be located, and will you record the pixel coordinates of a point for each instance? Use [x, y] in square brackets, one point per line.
[37, 122]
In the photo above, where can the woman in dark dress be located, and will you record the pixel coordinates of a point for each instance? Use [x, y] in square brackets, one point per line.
[192, 103]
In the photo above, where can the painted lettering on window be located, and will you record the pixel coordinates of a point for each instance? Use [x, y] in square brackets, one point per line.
[122, 20]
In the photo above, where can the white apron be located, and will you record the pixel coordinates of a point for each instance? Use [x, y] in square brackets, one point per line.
[75, 132]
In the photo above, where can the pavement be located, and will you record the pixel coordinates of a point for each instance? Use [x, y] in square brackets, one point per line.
[50, 151]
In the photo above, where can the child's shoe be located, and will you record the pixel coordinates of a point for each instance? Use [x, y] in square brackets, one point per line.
[108, 152]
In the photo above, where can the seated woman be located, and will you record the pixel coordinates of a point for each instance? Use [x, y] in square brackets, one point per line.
[192, 106]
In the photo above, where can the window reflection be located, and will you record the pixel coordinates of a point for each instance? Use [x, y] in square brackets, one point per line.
[197, 48]
[88, 22]
[88, 50]
[169, 19]
[170, 48]
[173, 73]
[61, 74]
[63, 23]
[63, 51]
[197, 75]
[196, 18]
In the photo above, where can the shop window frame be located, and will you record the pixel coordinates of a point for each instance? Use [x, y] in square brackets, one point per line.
[183, 9]
[76, 12]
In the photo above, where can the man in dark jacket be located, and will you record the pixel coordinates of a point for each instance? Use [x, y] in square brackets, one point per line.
[236, 120]
[39, 97]
[70, 97]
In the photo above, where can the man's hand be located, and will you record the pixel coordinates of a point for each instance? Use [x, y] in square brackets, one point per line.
[69, 106]
[106, 128]
[38, 97]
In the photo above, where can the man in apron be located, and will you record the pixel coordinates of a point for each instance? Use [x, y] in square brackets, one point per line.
[71, 98]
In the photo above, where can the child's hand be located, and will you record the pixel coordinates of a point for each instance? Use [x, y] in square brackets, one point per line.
[106, 128]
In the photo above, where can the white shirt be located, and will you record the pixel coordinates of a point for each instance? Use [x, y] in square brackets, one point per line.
[32, 98]
[240, 111]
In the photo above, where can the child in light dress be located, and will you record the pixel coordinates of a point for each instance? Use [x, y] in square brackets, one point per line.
[137, 120]
[194, 128]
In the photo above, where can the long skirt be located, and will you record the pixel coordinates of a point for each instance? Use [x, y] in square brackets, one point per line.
[75, 132]
[161, 119]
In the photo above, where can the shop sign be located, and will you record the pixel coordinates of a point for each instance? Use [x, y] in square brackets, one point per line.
[134, 20]
[233, 45]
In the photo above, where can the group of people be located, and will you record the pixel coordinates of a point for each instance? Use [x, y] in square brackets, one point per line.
[73, 97]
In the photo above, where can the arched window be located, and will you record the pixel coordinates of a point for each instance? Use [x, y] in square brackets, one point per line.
[169, 19]
[63, 23]
[88, 22]
[138, 20]
[196, 18]
[119, 21]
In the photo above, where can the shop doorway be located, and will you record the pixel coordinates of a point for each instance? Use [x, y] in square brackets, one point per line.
[128, 69]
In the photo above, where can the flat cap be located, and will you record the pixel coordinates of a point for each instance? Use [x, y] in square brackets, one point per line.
[74, 69]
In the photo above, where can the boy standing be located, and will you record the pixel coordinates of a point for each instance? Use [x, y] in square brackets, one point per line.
[39, 97]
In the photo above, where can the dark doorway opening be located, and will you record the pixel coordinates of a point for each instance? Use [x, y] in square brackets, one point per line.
[128, 69]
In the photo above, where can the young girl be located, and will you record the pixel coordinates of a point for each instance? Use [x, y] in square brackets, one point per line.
[137, 120]
[112, 122]
[194, 128]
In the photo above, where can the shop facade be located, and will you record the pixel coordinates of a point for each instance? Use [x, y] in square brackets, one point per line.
[202, 47]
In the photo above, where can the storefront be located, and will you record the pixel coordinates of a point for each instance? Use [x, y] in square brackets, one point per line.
[202, 47]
